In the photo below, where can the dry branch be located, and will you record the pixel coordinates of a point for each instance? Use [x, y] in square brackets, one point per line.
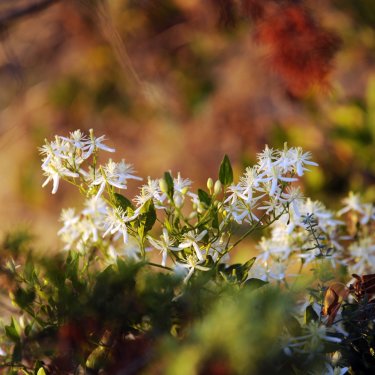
[11, 13]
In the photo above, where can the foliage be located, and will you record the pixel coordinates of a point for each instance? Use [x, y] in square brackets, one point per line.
[108, 303]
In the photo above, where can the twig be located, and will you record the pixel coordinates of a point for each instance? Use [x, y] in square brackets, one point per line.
[13, 14]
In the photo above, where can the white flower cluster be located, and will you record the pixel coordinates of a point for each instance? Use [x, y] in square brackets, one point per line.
[290, 243]
[300, 229]
[360, 254]
[63, 157]
[263, 187]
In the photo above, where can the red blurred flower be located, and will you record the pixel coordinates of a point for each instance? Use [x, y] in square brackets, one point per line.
[300, 50]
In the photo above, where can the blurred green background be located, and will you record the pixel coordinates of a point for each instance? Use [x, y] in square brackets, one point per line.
[175, 84]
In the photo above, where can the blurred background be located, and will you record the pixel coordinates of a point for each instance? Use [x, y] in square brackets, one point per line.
[176, 84]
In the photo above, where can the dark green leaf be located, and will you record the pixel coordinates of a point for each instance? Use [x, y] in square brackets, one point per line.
[238, 272]
[147, 217]
[310, 315]
[122, 202]
[226, 172]
[293, 326]
[169, 180]
[215, 220]
[204, 197]
[249, 264]
[17, 352]
[12, 332]
[121, 265]
[24, 298]
[254, 284]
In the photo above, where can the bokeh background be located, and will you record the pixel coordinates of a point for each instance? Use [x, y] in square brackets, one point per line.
[176, 84]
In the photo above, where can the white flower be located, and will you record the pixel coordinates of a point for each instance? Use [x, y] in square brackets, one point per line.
[116, 220]
[274, 249]
[58, 148]
[368, 213]
[293, 196]
[95, 207]
[70, 231]
[181, 184]
[315, 336]
[275, 175]
[163, 245]
[266, 159]
[330, 370]
[54, 170]
[258, 271]
[77, 139]
[362, 253]
[190, 239]
[114, 174]
[83, 229]
[132, 249]
[237, 212]
[96, 143]
[241, 212]
[315, 208]
[217, 248]
[87, 144]
[236, 194]
[151, 191]
[276, 270]
[249, 184]
[301, 158]
[192, 263]
[351, 203]
[273, 205]
[285, 159]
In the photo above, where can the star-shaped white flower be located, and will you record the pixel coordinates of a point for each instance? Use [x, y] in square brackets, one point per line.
[164, 244]
[191, 239]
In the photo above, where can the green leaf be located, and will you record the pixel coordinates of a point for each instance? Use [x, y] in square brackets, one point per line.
[168, 226]
[310, 315]
[147, 218]
[238, 272]
[122, 202]
[17, 352]
[13, 331]
[254, 284]
[169, 180]
[249, 264]
[293, 326]
[97, 358]
[41, 371]
[215, 219]
[72, 270]
[204, 197]
[29, 271]
[226, 172]
[121, 265]
[24, 298]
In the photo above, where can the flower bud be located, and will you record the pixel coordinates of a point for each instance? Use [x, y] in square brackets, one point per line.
[192, 215]
[163, 185]
[217, 187]
[178, 200]
[210, 184]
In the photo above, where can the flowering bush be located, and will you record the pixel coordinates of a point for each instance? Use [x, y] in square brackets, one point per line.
[99, 308]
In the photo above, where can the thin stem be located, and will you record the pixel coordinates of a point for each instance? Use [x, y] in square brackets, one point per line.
[159, 266]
